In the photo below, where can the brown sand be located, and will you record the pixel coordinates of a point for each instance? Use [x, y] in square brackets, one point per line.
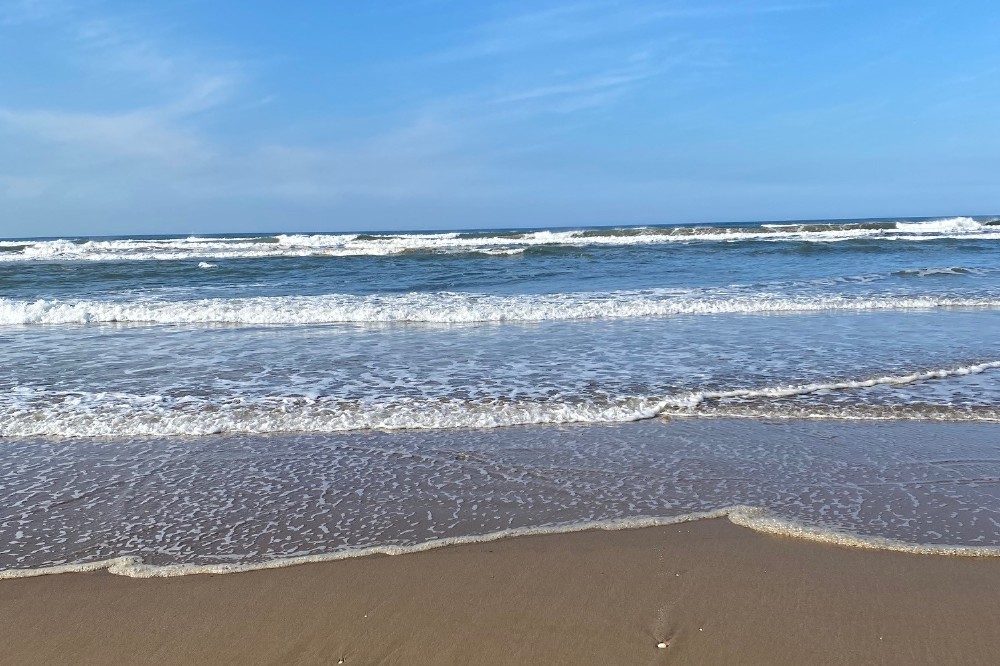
[716, 593]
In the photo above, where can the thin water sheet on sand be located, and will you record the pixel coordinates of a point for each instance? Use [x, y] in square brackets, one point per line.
[171, 506]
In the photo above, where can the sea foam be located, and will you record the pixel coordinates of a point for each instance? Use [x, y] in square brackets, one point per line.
[33, 412]
[451, 307]
[485, 243]
[754, 518]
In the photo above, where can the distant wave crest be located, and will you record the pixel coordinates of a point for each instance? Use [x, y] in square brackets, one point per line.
[500, 243]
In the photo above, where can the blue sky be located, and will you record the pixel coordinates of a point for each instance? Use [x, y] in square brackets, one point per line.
[205, 116]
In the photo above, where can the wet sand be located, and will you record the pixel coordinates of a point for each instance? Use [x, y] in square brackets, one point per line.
[713, 592]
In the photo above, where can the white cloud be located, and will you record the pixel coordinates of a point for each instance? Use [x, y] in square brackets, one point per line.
[101, 154]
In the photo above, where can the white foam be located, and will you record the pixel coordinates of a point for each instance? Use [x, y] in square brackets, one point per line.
[450, 307]
[692, 400]
[502, 243]
[945, 270]
[93, 414]
[953, 225]
[32, 412]
[754, 518]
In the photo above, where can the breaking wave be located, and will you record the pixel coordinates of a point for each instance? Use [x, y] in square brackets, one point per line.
[451, 307]
[32, 412]
[488, 242]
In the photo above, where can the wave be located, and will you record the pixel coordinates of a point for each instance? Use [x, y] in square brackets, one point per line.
[486, 243]
[892, 380]
[32, 412]
[451, 307]
[754, 518]
[946, 226]
[945, 270]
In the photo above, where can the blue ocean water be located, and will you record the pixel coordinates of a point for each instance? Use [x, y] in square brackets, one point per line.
[320, 333]
[178, 344]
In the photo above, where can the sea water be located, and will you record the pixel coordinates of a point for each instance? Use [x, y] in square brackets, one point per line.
[245, 400]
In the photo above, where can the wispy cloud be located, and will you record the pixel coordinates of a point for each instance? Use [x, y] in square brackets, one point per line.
[442, 149]
[161, 140]
[158, 132]
[525, 78]
[589, 85]
[523, 31]
[563, 24]
[586, 55]
[115, 46]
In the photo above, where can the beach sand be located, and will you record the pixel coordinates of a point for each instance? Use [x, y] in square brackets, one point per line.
[713, 592]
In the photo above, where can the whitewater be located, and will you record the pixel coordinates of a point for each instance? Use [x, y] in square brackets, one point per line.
[497, 243]
[449, 308]
[169, 403]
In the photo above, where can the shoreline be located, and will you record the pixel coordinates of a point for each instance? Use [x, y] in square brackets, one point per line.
[754, 519]
[905, 487]
[710, 590]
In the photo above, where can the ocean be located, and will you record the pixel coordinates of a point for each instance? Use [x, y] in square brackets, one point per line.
[174, 404]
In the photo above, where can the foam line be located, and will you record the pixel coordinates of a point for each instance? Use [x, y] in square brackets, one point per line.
[754, 518]
[692, 400]
[450, 307]
[32, 412]
[487, 243]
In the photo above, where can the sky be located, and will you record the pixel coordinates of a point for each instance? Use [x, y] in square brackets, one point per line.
[214, 116]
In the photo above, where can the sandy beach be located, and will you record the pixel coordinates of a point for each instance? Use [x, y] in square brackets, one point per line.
[711, 591]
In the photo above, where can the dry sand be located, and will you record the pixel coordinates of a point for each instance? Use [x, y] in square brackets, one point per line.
[714, 592]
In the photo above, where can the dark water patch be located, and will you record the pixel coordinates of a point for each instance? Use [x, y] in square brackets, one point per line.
[474, 235]
[717, 231]
[452, 254]
[620, 233]
[421, 252]
[374, 237]
[805, 248]
[818, 228]
[562, 251]
[935, 272]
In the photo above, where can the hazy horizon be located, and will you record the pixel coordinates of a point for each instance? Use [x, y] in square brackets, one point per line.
[444, 230]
